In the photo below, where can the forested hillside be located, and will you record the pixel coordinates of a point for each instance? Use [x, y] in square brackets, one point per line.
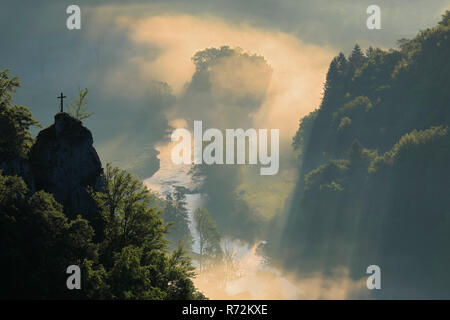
[58, 208]
[374, 159]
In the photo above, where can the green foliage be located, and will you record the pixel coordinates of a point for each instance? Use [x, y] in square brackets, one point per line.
[421, 144]
[38, 243]
[134, 248]
[176, 213]
[418, 145]
[357, 58]
[209, 237]
[345, 121]
[78, 109]
[130, 261]
[355, 105]
[445, 22]
[15, 138]
[301, 137]
[128, 216]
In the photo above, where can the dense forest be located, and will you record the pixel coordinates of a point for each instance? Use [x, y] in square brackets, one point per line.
[105, 221]
[374, 186]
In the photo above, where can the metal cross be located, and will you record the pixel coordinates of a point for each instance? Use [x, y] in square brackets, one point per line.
[61, 97]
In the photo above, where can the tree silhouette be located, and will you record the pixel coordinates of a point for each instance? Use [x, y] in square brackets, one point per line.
[78, 109]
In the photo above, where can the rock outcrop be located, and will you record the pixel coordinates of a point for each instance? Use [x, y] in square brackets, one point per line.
[64, 163]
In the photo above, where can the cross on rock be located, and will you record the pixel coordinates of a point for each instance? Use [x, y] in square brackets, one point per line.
[61, 97]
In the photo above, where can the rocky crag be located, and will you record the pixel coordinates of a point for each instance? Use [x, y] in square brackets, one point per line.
[63, 162]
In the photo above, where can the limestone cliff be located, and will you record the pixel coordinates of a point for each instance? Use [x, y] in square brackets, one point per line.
[64, 162]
